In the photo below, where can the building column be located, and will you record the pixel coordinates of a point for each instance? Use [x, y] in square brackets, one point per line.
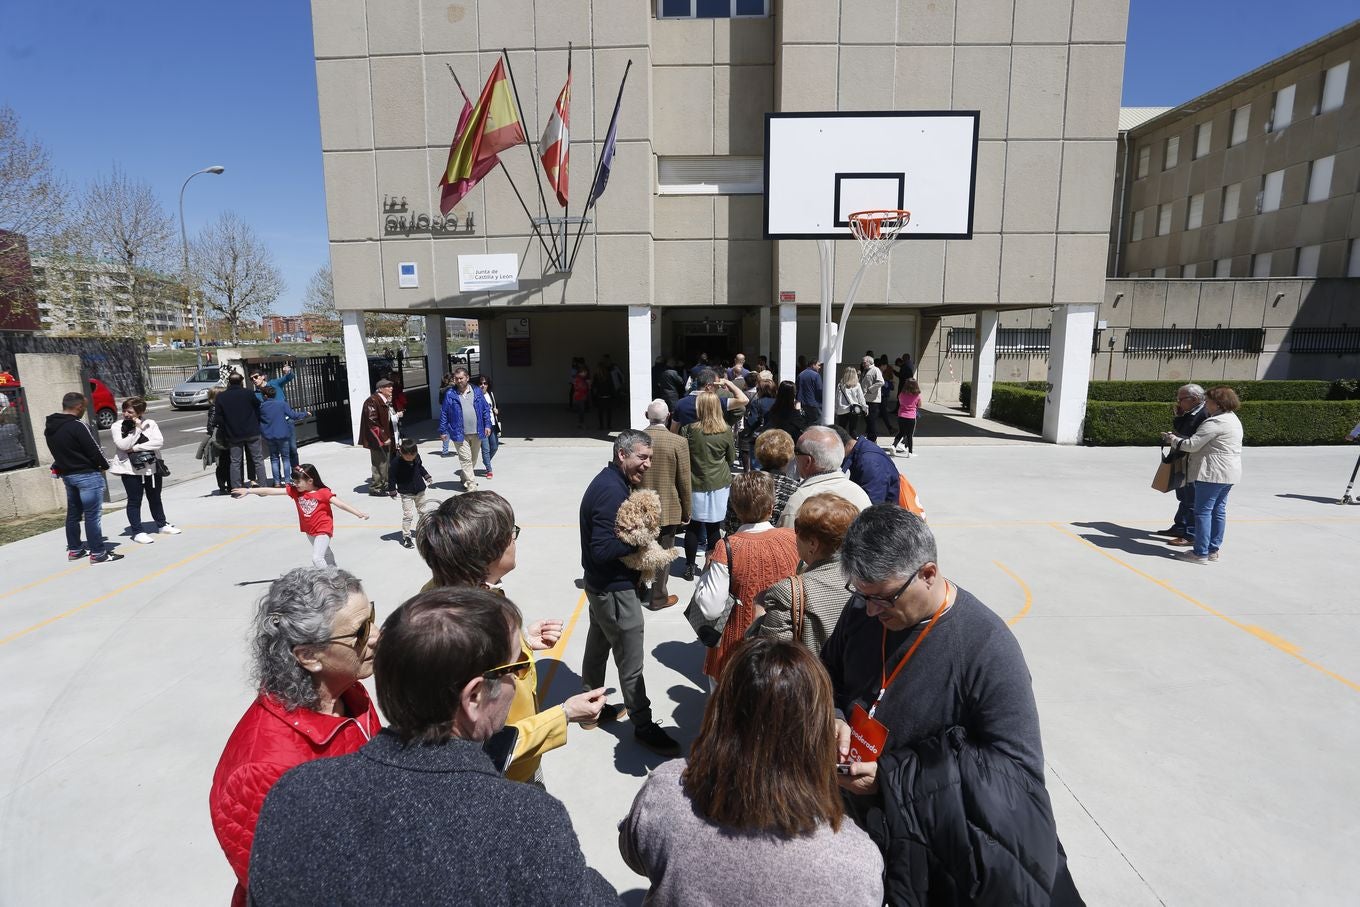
[788, 342]
[639, 364]
[356, 365]
[984, 361]
[763, 338]
[655, 319]
[1069, 372]
[436, 357]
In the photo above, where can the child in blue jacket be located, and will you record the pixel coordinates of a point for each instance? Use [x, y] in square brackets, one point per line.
[276, 427]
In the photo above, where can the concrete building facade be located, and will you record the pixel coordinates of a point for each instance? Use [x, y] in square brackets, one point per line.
[91, 297]
[674, 261]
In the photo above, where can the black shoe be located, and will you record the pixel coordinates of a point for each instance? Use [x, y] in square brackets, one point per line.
[105, 557]
[76, 555]
[1173, 532]
[407, 543]
[656, 740]
[608, 715]
[689, 572]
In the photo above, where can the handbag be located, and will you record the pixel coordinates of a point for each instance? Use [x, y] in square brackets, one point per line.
[712, 602]
[1167, 477]
[141, 459]
[162, 469]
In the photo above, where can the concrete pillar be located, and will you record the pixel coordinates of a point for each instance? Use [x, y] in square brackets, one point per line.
[436, 357]
[984, 361]
[1069, 372]
[788, 342]
[657, 348]
[356, 365]
[47, 377]
[639, 364]
[763, 334]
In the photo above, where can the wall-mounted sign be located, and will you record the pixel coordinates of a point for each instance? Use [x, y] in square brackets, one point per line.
[517, 327]
[788, 296]
[398, 221]
[518, 353]
[480, 273]
[407, 276]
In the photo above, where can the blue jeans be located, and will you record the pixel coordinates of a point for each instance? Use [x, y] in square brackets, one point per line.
[1211, 516]
[280, 459]
[1184, 520]
[84, 498]
[490, 444]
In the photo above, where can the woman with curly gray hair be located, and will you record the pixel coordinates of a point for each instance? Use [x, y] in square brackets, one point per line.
[312, 641]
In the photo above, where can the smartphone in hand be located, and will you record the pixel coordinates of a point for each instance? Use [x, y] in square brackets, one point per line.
[500, 746]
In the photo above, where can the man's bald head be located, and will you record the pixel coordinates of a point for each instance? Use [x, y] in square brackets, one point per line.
[820, 451]
[657, 411]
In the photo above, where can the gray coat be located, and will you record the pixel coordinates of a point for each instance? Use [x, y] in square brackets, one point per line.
[398, 824]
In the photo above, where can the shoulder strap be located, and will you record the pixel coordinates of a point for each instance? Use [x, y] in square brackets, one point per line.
[798, 604]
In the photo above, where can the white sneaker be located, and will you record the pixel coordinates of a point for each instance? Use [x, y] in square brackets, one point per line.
[170, 529]
[142, 538]
[899, 448]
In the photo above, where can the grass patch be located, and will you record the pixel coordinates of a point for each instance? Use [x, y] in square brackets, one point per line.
[27, 527]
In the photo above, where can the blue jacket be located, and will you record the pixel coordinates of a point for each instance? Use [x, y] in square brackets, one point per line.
[600, 547]
[451, 414]
[873, 470]
[810, 388]
[277, 384]
[277, 418]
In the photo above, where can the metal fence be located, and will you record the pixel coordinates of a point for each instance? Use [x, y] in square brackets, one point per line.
[18, 446]
[1244, 341]
[163, 378]
[319, 386]
[1009, 341]
[1335, 341]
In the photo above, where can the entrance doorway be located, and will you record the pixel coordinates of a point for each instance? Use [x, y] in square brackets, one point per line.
[719, 338]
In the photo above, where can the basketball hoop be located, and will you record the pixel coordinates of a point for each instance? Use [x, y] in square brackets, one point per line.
[876, 232]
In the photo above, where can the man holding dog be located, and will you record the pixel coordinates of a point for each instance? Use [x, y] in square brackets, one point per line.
[611, 588]
[669, 477]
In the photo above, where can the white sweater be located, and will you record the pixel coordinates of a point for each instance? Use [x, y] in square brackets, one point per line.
[120, 464]
[1215, 450]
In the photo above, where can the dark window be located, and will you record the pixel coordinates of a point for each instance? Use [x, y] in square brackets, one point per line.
[1193, 340]
[711, 9]
[1324, 340]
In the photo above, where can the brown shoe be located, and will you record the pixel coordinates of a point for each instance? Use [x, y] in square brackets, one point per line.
[608, 714]
[659, 605]
[1180, 542]
[1213, 555]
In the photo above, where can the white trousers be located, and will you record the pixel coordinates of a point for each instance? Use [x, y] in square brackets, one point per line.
[322, 555]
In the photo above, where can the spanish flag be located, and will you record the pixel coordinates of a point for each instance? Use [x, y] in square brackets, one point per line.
[492, 126]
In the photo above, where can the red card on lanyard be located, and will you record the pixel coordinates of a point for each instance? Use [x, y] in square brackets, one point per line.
[867, 736]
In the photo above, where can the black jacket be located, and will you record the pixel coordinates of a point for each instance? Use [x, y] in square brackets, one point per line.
[964, 824]
[73, 446]
[1185, 425]
[600, 547]
[407, 478]
[238, 412]
[670, 386]
[410, 824]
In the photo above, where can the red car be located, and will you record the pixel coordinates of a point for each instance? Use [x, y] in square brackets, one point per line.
[105, 407]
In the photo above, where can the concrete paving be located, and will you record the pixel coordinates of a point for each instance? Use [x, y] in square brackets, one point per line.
[1199, 721]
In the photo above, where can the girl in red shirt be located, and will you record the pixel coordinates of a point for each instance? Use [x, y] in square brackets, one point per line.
[314, 501]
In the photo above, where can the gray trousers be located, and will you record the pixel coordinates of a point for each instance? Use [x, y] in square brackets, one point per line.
[616, 624]
[239, 449]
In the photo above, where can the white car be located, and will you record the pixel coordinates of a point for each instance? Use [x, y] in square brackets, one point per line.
[470, 356]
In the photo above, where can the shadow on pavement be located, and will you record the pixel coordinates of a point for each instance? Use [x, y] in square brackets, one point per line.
[1124, 538]
[683, 658]
[1316, 499]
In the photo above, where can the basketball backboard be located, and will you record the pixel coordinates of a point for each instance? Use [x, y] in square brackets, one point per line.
[820, 167]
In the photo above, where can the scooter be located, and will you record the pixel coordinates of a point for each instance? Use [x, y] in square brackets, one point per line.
[1346, 497]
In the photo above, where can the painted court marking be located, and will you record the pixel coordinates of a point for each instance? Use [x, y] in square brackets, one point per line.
[1029, 596]
[1260, 633]
[557, 650]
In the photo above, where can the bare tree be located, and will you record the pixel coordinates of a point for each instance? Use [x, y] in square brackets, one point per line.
[318, 302]
[123, 221]
[32, 200]
[235, 271]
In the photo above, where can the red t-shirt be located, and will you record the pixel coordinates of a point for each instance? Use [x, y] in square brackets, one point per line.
[314, 510]
[580, 388]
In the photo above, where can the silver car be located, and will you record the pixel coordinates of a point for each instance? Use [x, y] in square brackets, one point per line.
[194, 392]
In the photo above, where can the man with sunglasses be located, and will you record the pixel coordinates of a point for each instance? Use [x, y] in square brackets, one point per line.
[818, 456]
[937, 726]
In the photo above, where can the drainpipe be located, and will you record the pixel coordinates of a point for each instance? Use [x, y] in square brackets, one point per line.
[1123, 191]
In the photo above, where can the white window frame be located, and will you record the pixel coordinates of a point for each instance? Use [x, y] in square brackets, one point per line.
[1282, 111]
[1163, 219]
[1171, 152]
[1223, 268]
[1232, 203]
[1306, 263]
[716, 174]
[732, 5]
[1272, 189]
[1260, 265]
[1136, 230]
[1333, 93]
[1144, 161]
[1204, 134]
[1194, 212]
[1241, 120]
[1320, 179]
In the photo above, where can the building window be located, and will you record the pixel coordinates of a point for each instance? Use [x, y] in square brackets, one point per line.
[1232, 197]
[1194, 340]
[1320, 178]
[1138, 225]
[1329, 341]
[1308, 261]
[1241, 116]
[1159, 272]
[1194, 212]
[1334, 86]
[1203, 134]
[1283, 112]
[1173, 152]
[1190, 271]
[711, 9]
[1223, 268]
[716, 175]
[1144, 158]
[1163, 220]
[1260, 264]
[1271, 188]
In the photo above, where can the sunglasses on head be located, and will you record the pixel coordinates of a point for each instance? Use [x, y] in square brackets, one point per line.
[519, 668]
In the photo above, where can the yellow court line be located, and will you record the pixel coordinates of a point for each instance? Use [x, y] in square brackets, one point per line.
[1260, 633]
[123, 588]
[556, 651]
[1029, 597]
[38, 582]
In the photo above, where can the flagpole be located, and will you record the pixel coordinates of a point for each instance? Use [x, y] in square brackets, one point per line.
[541, 241]
[590, 198]
[533, 159]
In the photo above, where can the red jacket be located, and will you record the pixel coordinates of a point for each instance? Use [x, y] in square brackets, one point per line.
[268, 741]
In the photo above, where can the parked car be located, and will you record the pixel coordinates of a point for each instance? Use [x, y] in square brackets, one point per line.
[194, 392]
[105, 407]
[470, 356]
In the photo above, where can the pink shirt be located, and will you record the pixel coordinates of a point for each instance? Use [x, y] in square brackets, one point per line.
[906, 405]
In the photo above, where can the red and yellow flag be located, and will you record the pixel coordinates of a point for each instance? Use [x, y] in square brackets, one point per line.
[555, 146]
[492, 126]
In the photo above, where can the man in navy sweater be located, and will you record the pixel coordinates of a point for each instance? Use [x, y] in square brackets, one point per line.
[616, 604]
[870, 468]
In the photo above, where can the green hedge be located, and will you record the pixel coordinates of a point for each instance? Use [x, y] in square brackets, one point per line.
[1018, 406]
[1159, 391]
[1264, 422]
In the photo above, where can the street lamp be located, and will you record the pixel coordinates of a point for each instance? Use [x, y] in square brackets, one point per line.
[184, 239]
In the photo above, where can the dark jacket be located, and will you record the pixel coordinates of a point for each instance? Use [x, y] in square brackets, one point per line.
[238, 412]
[451, 415]
[600, 547]
[810, 388]
[375, 423]
[1184, 425]
[408, 478]
[277, 418]
[671, 386]
[873, 470]
[964, 824]
[410, 824]
[74, 449]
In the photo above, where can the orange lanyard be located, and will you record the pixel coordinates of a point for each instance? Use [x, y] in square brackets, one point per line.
[886, 679]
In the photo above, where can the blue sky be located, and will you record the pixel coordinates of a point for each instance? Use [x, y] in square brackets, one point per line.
[165, 88]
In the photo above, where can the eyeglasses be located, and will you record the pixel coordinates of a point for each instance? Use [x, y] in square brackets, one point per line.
[520, 669]
[879, 600]
[362, 634]
[514, 533]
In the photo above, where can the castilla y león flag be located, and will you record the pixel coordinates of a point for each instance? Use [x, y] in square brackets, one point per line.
[554, 148]
[483, 132]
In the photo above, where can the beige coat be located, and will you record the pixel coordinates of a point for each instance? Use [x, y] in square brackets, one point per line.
[1215, 450]
[669, 475]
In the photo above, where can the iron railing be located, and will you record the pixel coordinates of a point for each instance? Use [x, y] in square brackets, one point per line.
[1333, 341]
[319, 386]
[1010, 341]
[18, 447]
[1191, 341]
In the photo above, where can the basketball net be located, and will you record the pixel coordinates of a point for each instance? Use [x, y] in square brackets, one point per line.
[876, 232]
